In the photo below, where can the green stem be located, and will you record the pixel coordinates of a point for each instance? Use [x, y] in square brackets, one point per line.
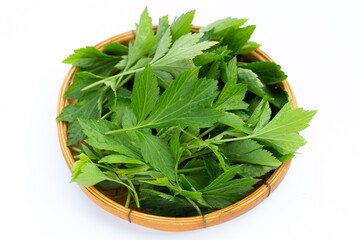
[227, 140]
[194, 205]
[112, 77]
[127, 203]
[195, 155]
[126, 129]
[123, 82]
[107, 114]
[76, 149]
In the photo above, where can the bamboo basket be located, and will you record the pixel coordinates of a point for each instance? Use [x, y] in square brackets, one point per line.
[106, 200]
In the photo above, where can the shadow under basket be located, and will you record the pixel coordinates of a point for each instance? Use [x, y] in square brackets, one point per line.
[106, 200]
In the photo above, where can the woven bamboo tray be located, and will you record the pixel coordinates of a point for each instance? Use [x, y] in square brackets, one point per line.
[106, 200]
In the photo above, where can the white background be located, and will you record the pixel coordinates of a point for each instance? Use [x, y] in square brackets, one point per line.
[317, 44]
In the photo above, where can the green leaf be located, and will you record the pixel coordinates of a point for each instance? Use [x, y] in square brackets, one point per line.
[212, 167]
[248, 47]
[222, 26]
[252, 170]
[281, 132]
[157, 153]
[261, 115]
[235, 39]
[231, 96]
[224, 177]
[198, 177]
[276, 95]
[145, 94]
[234, 186]
[119, 142]
[186, 47]
[88, 107]
[220, 201]
[75, 133]
[268, 72]
[189, 194]
[86, 173]
[81, 80]
[115, 49]
[163, 46]
[119, 110]
[249, 151]
[89, 152]
[213, 55]
[161, 29]
[175, 148]
[145, 39]
[164, 78]
[185, 102]
[166, 205]
[92, 60]
[234, 121]
[182, 25]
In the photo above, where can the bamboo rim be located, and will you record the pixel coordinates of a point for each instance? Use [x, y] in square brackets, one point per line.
[172, 223]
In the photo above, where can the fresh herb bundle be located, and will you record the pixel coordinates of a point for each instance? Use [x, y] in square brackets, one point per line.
[176, 119]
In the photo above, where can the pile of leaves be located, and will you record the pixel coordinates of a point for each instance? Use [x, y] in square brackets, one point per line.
[176, 119]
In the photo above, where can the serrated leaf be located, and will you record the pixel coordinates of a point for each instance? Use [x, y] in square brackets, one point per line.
[119, 110]
[222, 26]
[119, 142]
[234, 186]
[88, 107]
[161, 29]
[145, 94]
[248, 47]
[164, 78]
[75, 133]
[115, 49]
[232, 94]
[86, 173]
[268, 72]
[186, 47]
[185, 102]
[212, 167]
[182, 25]
[163, 46]
[276, 95]
[92, 60]
[189, 194]
[224, 177]
[174, 68]
[260, 116]
[252, 170]
[175, 148]
[157, 154]
[281, 132]
[81, 80]
[223, 200]
[229, 71]
[89, 152]
[145, 39]
[249, 151]
[235, 39]
[234, 121]
[213, 55]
